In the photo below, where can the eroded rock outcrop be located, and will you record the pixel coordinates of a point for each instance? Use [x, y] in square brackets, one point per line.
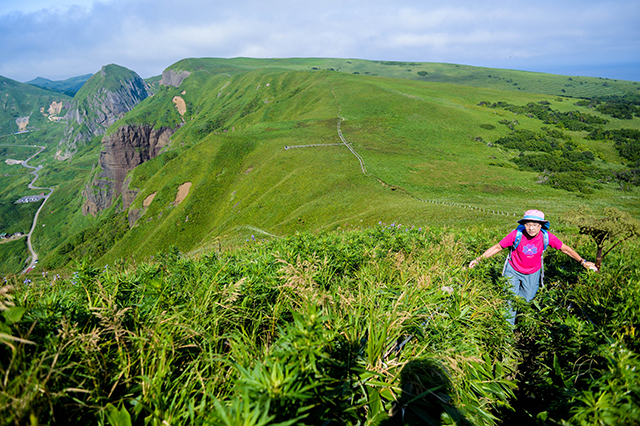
[104, 99]
[173, 78]
[123, 150]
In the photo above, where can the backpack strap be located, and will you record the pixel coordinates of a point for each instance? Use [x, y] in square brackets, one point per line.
[545, 236]
[514, 246]
[519, 231]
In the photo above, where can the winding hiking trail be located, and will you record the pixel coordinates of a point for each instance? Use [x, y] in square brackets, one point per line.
[364, 169]
[33, 256]
[344, 141]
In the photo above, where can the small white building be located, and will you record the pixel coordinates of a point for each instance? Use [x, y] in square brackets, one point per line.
[31, 198]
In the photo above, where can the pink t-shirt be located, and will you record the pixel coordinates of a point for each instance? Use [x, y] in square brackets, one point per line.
[527, 258]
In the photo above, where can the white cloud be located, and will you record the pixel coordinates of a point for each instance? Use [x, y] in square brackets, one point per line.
[147, 36]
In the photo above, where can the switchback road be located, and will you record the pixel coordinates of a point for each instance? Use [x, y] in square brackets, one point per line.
[33, 256]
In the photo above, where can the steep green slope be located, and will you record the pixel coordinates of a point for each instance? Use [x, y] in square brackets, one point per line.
[240, 148]
[24, 100]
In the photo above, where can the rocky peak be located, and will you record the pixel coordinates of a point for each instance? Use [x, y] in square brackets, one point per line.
[104, 99]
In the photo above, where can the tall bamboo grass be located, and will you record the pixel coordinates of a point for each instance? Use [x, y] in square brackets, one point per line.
[377, 326]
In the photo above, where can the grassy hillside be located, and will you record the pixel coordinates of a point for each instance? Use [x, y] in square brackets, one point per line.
[433, 153]
[109, 78]
[69, 86]
[24, 100]
[425, 148]
[492, 78]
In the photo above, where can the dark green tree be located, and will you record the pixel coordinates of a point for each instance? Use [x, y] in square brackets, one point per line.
[608, 230]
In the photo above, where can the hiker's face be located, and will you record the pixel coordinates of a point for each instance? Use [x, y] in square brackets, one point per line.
[533, 228]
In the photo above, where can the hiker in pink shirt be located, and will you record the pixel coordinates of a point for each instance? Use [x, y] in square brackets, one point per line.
[524, 266]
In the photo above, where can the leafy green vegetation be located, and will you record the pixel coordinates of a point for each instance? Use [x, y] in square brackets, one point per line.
[627, 141]
[347, 327]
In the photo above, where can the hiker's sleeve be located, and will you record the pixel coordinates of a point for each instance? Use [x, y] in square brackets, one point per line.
[508, 240]
[555, 241]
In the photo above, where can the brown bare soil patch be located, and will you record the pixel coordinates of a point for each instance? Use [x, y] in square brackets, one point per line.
[55, 108]
[147, 201]
[22, 123]
[183, 191]
[181, 106]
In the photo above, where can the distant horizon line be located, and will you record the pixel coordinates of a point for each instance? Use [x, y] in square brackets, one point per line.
[563, 71]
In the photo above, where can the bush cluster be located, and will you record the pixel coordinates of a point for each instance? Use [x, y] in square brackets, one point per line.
[572, 120]
[551, 152]
[627, 141]
[622, 107]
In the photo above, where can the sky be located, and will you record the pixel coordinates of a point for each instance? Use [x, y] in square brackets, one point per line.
[67, 38]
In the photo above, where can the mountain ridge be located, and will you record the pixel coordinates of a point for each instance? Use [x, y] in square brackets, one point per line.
[101, 101]
[68, 86]
[270, 147]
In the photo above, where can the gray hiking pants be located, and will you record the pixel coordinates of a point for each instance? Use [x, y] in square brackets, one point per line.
[523, 285]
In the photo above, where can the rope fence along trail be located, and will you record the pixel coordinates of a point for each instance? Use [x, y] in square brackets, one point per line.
[353, 151]
[344, 141]
[364, 169]
[465, 206]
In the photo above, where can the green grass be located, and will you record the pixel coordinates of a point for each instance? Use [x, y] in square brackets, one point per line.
[22, 100]
[110, 77]
[491, 78]
[343, 326]
[420, 141]
[417, 140]
[13, 255]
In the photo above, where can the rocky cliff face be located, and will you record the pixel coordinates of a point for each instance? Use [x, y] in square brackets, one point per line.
[123, 150]
[108, 96]
[173, 78]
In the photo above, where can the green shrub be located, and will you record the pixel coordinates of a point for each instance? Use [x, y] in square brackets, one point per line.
[347, 328]
[570, 181]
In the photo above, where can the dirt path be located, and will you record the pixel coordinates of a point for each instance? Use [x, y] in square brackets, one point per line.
[344, 141]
